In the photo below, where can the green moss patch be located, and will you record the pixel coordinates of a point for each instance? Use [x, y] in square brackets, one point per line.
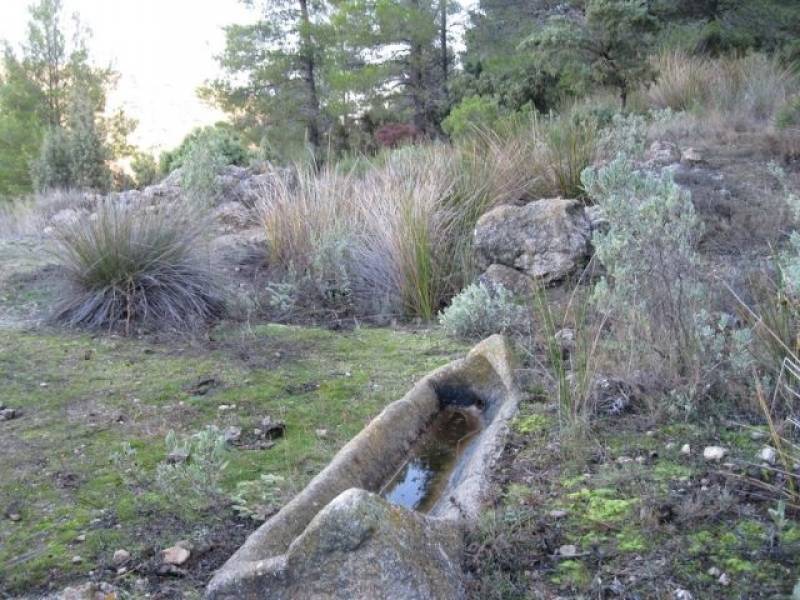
[84, 398]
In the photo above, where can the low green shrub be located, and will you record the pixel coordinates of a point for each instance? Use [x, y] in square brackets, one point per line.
[194, 466]
[133, 267]
[788, 116]
[655, 293]
[260, 498]
[226, 142]
[473, 113]
[480, 311]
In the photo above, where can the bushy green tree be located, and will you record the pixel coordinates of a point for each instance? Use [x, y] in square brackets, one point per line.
[225, 141]
[145, 169]
[52, 168]
[272, 72]
[608, 44]
[88, 153]
[494, 65]
[52, 100]
[21, 130]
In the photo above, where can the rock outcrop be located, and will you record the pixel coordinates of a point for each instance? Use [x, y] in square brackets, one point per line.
[360, 546]
[546, 239]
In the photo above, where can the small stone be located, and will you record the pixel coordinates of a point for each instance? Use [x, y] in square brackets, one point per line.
[681, 594]
[624, 460]
[686, 449]
[175, 555]
[121, 556]
[258, 432]
[724, 579]
[757, 434]
[177, 457]
[669, 446]
[15, 517]
[568, 550]
[232, 434]
[714, 453]
[76, 560]
[321, 433]
[558, 514]
[6, 414]
[81, 538]
[714, 572]
[691, 157]
[641, 460]
[43, 384]
[565, 339]
[650, 433]
[768, 455]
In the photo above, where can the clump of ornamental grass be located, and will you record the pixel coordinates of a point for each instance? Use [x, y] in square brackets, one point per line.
[133, 267]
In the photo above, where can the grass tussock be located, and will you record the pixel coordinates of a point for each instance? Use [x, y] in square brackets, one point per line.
[396, 237]
[134, 267]
[727, 97]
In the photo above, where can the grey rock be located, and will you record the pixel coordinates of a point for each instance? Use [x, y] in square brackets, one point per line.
[565, 338]
[546, 239]
[768, 455]
[612, 395]
[175, 555]
[86, 591]
[232, 434]
[361, 546]
[177, 456]
[691, 157]
[714, 453]
[121, 556]
[233, 216]
[597, 218]
[514, 281]
[7, 414]
[568, 550]
[662, 153]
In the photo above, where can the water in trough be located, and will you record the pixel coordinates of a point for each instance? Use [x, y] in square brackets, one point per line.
[420, 481]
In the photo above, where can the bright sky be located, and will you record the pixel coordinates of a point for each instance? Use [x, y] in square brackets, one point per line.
[163, 50]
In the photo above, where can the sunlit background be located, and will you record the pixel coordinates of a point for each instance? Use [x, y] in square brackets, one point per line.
[163, 50]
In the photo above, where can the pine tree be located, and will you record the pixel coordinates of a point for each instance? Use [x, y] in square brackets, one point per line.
[272, 73]
[610, 42]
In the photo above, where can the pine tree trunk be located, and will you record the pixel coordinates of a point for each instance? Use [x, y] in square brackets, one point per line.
[307, 53]
[443, 44]
[417, 81]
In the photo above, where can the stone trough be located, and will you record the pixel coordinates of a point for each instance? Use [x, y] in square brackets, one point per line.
[339, 538]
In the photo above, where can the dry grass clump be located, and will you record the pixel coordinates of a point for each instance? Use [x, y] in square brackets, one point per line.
[683, 81]
[134, 267]
[752, 87]
[396, 238]
[726, 97]
[29, 216]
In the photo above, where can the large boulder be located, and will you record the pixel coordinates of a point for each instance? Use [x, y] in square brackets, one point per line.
[359, 546]
[546, 239]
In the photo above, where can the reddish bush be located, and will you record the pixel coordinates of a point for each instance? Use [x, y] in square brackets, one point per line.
[392, 135]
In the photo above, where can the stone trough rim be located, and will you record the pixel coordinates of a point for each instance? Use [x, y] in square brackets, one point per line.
[488, 368]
